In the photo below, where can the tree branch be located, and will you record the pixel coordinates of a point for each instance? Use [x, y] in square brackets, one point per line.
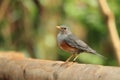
[3, 8]
[111, 27]
[15, 66]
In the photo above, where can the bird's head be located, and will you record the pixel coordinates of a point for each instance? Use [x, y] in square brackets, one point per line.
[64, 29]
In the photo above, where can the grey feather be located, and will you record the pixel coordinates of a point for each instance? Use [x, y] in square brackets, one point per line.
[82, 46]
[75, 42]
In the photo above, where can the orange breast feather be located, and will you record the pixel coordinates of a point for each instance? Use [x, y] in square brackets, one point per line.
[67, 47]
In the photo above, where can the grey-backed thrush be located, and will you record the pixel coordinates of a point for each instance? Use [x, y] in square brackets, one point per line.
[70, 43]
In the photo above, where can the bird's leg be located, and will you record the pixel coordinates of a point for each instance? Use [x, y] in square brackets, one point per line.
[69, 58]
[76, 56]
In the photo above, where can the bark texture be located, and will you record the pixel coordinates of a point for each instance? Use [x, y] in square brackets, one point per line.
[14, 66]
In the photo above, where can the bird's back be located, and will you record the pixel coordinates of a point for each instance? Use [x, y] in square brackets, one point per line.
[79, 44]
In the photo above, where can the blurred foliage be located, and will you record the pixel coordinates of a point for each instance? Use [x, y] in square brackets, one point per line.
[29, 26]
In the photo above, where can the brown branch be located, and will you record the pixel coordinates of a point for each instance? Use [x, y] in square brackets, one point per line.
[111, 27]
[14, 66]
[3, 8]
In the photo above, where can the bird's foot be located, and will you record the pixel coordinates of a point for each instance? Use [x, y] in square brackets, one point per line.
[67, 64]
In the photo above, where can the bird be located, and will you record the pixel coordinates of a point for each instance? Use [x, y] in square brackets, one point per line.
[68, 42]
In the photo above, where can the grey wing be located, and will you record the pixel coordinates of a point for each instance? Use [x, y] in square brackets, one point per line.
[75, 42]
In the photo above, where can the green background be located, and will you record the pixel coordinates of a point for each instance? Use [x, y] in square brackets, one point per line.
[28, 26]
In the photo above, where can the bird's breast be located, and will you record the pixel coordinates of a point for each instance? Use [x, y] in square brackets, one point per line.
[63, 45]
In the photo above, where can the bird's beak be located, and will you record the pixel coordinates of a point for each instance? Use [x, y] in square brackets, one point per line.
[58, 27]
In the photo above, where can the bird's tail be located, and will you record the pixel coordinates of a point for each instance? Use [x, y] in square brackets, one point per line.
[94, 52]
[100, 55]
